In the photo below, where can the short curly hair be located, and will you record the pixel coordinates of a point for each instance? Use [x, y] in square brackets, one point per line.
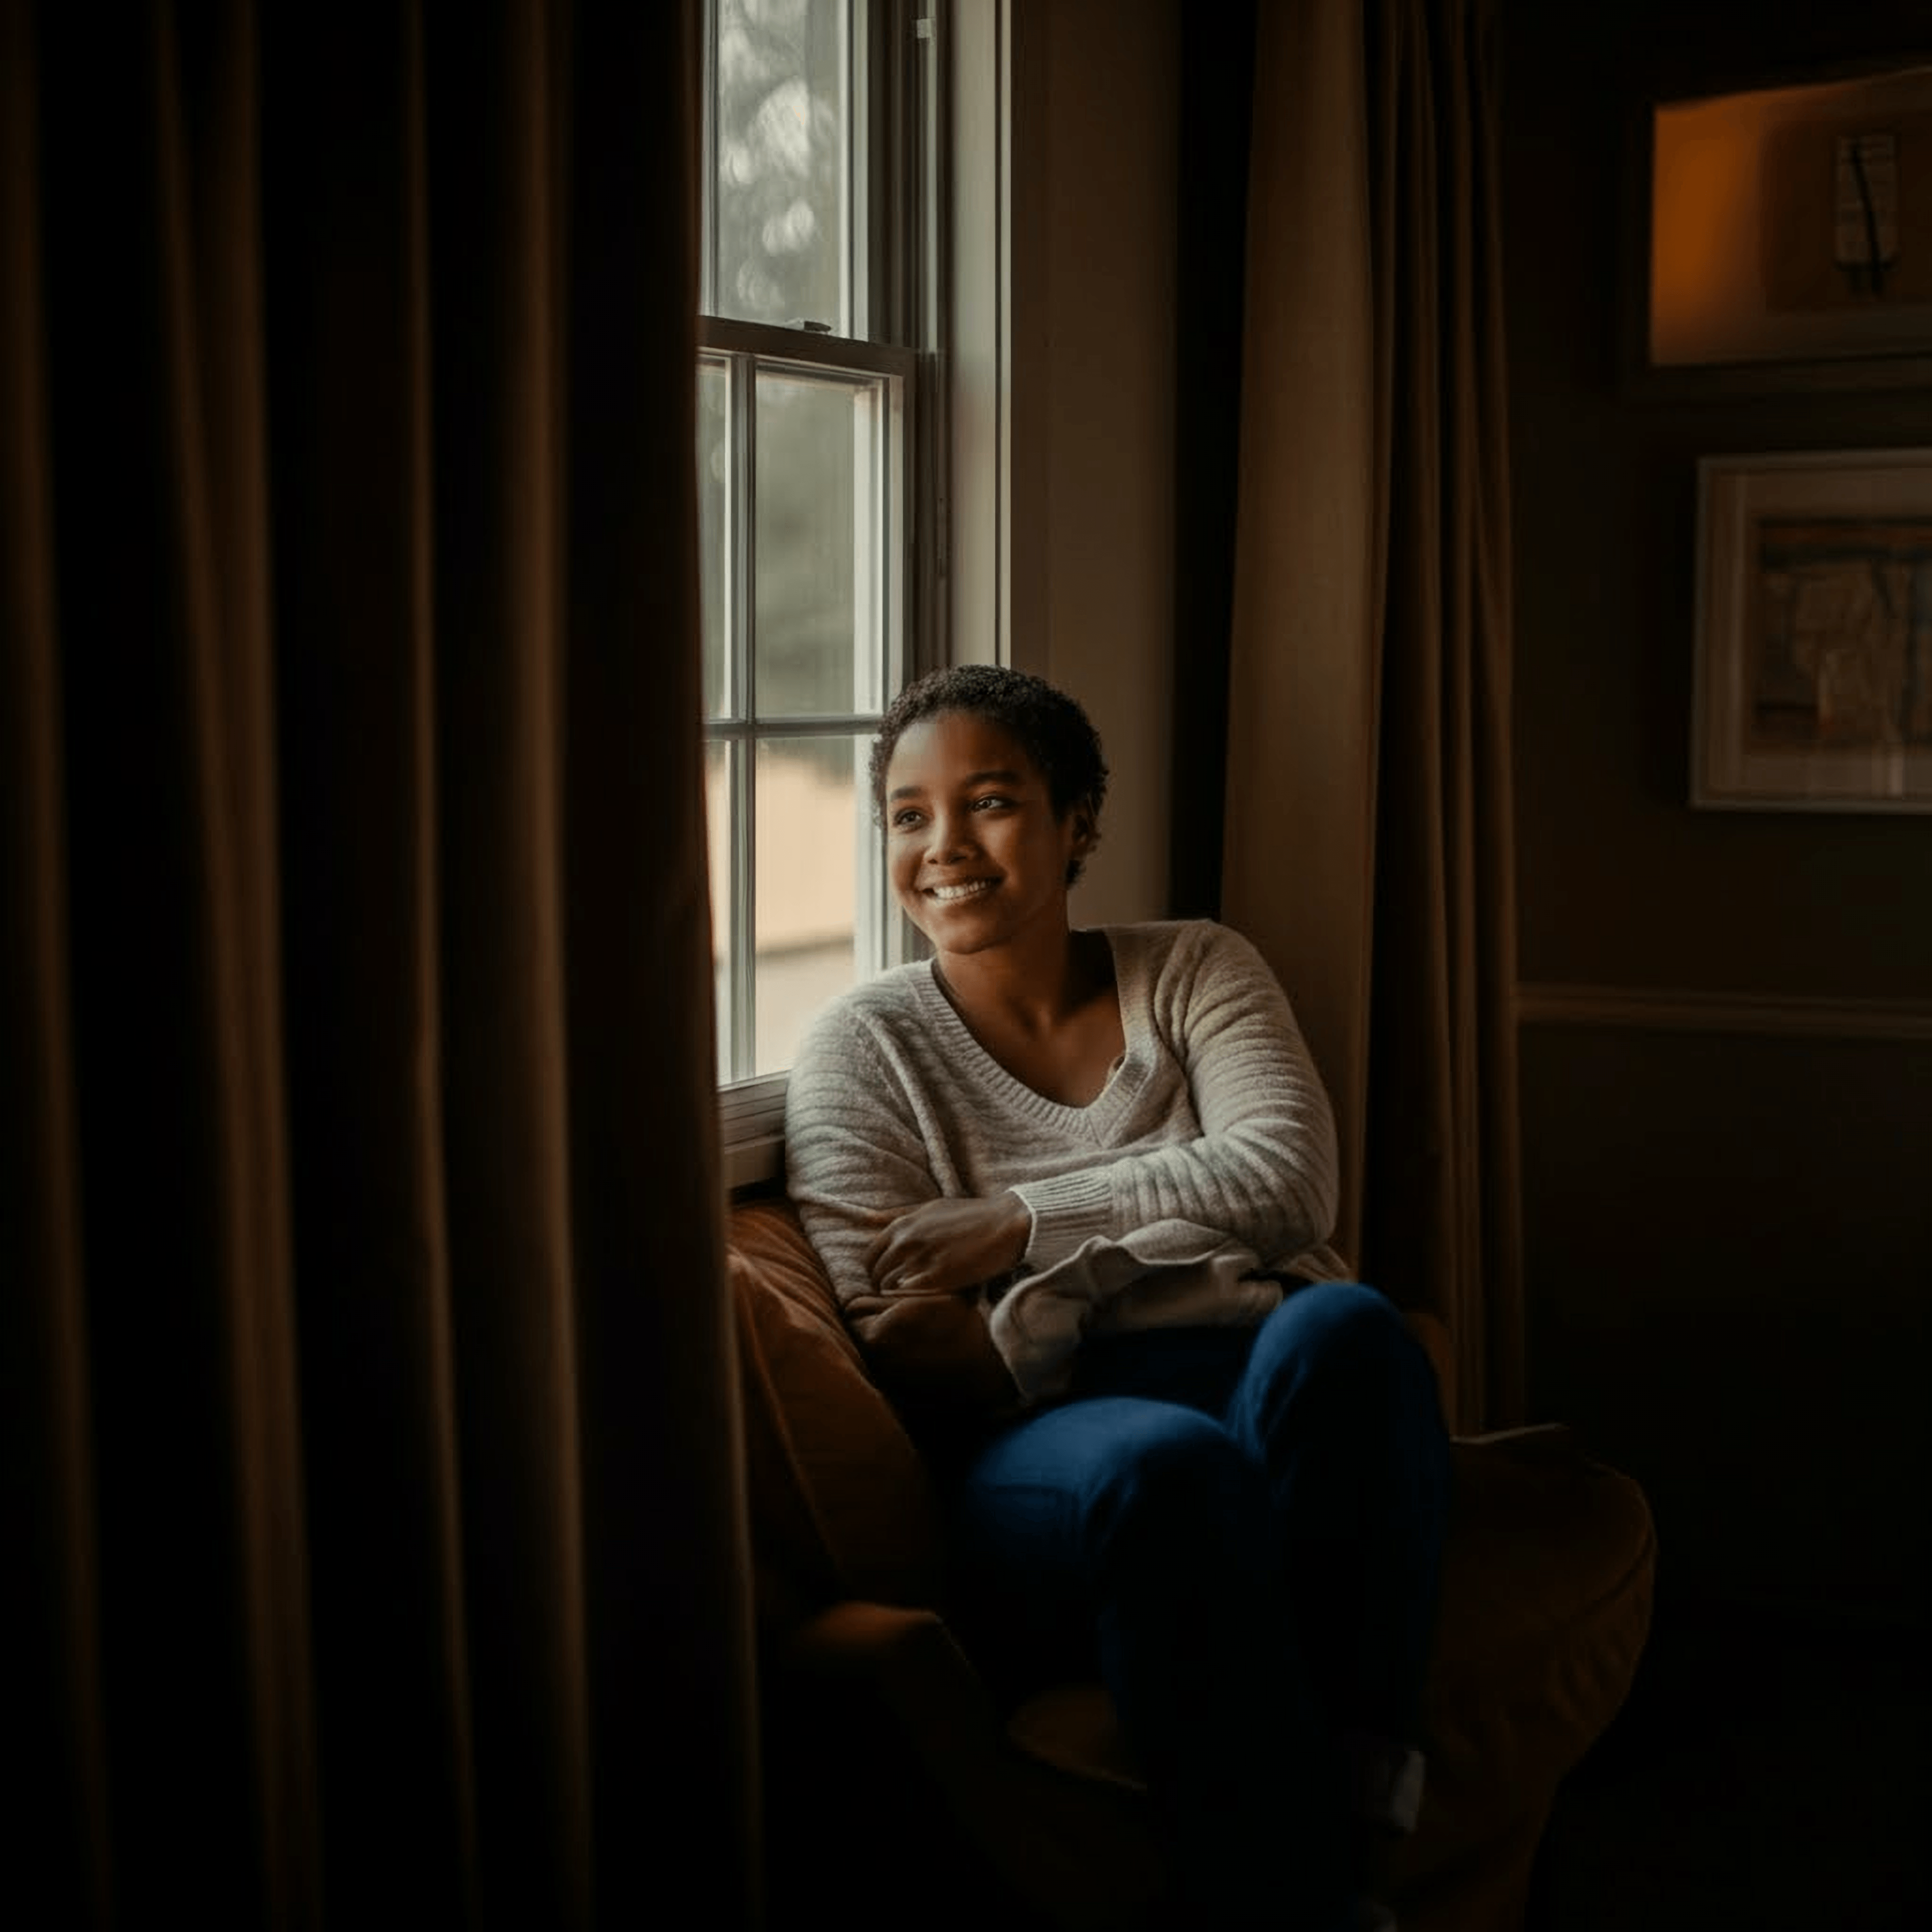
[1048, 725]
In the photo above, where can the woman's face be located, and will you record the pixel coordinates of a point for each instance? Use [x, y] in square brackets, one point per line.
[977, 856]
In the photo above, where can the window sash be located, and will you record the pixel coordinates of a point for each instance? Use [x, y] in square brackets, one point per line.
[892, 114]
[747, 726]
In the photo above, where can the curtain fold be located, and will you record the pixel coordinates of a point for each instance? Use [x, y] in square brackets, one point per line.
[50, 1612]
[1299, 817]
[372, 1466]
[1370, 841]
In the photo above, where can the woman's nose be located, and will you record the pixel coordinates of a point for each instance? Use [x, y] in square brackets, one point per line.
[947, 836]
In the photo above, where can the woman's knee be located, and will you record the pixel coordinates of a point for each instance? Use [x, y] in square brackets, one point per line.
[1340, 1344]
[1332, 1322]
[1177, 1481]
[1081, 1473]
[1160, 1449]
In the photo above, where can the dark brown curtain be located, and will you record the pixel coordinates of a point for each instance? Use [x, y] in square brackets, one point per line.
[372, 1530]
[1368, 839]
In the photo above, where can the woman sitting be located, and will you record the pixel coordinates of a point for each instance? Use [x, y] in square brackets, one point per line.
[1073, 1188]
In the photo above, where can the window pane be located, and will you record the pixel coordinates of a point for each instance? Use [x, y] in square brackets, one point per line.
[809, 919]
[819, 549]
[781, 192]
[714, 526]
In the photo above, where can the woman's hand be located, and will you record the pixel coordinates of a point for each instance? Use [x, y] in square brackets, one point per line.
[950, 1246]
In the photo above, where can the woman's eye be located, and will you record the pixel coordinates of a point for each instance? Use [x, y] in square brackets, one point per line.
[993, 801]
[904, 821]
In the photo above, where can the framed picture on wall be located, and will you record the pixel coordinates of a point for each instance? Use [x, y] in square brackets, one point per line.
[1813, 649]
[1783, 237]
[1790, 224]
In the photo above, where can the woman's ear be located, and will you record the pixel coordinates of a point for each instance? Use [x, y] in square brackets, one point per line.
[1084, 823]
[1086, 830]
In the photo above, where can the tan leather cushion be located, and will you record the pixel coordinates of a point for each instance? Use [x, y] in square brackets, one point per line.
[841, 1505]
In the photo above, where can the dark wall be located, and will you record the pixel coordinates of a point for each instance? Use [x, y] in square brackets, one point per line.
[1727, 1044]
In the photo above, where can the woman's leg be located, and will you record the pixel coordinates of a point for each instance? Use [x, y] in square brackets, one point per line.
[1338, 1405]
[1145, 1523]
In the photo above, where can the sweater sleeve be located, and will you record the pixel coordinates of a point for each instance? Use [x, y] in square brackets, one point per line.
[854, 1154]
[856, 1157]
[1252, 1157]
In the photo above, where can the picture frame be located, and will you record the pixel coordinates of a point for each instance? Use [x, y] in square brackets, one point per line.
[1792, 223]
[1813, 661]
[1751, 272]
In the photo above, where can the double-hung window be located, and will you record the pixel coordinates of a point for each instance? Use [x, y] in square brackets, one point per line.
[815, 452]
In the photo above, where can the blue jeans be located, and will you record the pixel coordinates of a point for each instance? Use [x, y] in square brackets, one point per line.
[1242, 1529]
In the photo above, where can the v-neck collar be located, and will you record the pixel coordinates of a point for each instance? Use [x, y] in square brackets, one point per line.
[1124, 1079]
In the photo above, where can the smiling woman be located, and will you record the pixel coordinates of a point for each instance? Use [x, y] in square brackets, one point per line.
[1073, 1188]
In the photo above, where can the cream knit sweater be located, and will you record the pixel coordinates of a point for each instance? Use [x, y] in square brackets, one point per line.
[1208, 1158]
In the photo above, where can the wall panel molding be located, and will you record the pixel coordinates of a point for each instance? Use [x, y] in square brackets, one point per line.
[1676, 1009]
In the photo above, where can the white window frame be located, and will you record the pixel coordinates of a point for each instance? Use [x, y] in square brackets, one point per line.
[902, 332]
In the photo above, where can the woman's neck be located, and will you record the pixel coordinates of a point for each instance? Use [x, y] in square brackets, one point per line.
[1056, 1028]
[1035, 987]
